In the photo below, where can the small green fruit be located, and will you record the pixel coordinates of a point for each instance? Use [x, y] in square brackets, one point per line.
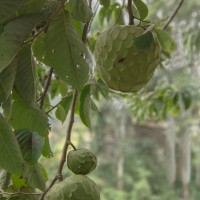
[81, 161]
[126, 57]
[76, 187]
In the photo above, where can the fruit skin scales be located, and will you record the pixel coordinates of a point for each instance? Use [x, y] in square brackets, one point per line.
[121, 65]
[81, 161]
[76, 187]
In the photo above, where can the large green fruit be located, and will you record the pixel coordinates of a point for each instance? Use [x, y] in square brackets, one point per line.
[126, 57]
[77, 187]
[81, 161]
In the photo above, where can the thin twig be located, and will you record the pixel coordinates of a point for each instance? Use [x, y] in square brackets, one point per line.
[17, 193]
[46, 88]
[173, 14]
[65, 147]
[130, 13]
[56, 105]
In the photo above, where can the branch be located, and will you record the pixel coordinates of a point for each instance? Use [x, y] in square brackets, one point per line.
[173, 14]
[46, 88]
[16, 193]
[55, 106]
[65, 147]
[130, 13]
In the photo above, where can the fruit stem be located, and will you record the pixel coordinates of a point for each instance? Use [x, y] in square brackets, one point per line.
[71, 144]
[130, 13]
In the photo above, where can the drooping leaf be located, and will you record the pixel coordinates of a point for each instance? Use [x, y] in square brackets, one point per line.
[25, 116]
[143, 41]
[34, 176]
[62, 110]
[60, 113]
[4, 179]
[165, 40]
[13, 37]
[31, 145]
[46, 151]
[105, 3]
[80, 10]
[85, 105]
[142, 8]
[66, 53]
[7, 78]
[25, 77]
[186, 99]
[39, 49]
[10, 155]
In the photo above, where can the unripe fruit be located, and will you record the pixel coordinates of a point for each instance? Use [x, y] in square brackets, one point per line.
[121, 65]
[81, 161]
[76, 187]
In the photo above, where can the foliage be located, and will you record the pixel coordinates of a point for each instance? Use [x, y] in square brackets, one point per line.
[46, 55]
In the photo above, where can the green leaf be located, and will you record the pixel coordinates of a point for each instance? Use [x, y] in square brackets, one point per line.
[10, 155]
[4, 179]
[165, 40]
[13, 37]
[85, 105]
[186, 99]
[80, 10]
[39, 49]
[31, 145]
[25, 116]
[8, 9]
[142, 8]
[60, 113]
[7, 78]
[63, 109]
[7, 107]
[25, 78]
[18, 182]
[34, 176]
[46, 151]
[143, 41]
[31, 7]
[65, 51]
[105, 3]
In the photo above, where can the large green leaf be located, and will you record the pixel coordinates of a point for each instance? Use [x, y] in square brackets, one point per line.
[31, 145]
[85, 105]
[80, 10]
[142, 8]
[12, 38]
[165, 40]
[8, 9]
[25, 116]
[10, 154]
[25, 78]
[7, 78]
[34, 176]
[66, 51]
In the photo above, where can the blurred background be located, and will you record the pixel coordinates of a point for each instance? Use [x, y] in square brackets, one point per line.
[147, 144]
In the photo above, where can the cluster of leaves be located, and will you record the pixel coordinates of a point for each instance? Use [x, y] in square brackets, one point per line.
[37, 37]
[163, 102]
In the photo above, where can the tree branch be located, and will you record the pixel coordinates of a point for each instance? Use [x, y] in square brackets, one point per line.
[130, 13]
[46, 88]
[169, 20]
[16, 193]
